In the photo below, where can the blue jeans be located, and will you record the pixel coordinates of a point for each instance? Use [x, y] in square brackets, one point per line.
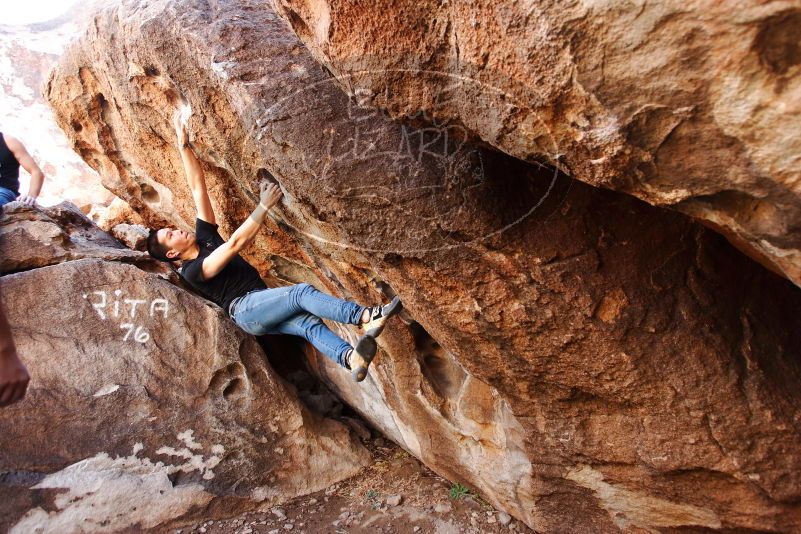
[6, 196]
[296, 310]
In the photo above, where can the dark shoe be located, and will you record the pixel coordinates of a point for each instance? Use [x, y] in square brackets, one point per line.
[379, 315]
[361, 356]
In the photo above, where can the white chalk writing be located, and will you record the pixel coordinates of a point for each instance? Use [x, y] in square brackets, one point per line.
[129, 308]
[140, 335]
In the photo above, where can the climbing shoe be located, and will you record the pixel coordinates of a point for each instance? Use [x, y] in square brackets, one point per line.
[379, 315]
[361, 356]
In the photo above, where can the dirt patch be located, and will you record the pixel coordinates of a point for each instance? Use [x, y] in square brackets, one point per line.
[365, 503]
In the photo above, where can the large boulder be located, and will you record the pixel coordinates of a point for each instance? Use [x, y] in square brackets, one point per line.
[118, 212]
[147, 407]
[692, 106]
[583, 359]
[32, 237]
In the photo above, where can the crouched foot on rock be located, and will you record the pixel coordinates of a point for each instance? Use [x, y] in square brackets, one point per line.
[378, 316]
[359, 357]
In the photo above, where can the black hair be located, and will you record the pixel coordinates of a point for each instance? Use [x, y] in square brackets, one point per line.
[156, 249]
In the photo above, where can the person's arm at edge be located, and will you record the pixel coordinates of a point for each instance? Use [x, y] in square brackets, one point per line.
[28, 163]
[13, 374]
[222, 255]
[194, 174]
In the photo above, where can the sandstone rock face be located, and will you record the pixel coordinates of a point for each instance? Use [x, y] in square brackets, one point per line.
[584, 360]
[32, 237]
[133, 235]
[687, 105]
[146, 407]
[117, 212]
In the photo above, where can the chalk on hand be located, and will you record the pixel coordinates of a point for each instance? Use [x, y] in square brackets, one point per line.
[185, 112]
[266, 176]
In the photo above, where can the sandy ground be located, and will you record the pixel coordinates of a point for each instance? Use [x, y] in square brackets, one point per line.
[367, 503]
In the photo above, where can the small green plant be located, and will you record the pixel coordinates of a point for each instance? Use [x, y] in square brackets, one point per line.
[374, 499]
[458, 491]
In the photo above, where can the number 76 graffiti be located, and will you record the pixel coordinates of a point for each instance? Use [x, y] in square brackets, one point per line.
[128, 308]
[140, 334]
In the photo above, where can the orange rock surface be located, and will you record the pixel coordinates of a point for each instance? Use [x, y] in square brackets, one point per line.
[585, 360]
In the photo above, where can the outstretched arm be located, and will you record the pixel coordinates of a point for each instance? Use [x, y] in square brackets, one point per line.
[27, 162]
[194, 174]
[222, 255]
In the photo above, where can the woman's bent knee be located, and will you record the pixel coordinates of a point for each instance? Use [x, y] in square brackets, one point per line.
[302, 287]
[307, 320]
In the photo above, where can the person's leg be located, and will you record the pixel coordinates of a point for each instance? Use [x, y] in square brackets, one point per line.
[305, 297]
[312, 329]
[6, 196]
[274, 311]
[262, 310]
[258, 312]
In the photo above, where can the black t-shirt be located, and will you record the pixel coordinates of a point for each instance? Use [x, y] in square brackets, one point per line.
[9, 167]
[236, 279]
